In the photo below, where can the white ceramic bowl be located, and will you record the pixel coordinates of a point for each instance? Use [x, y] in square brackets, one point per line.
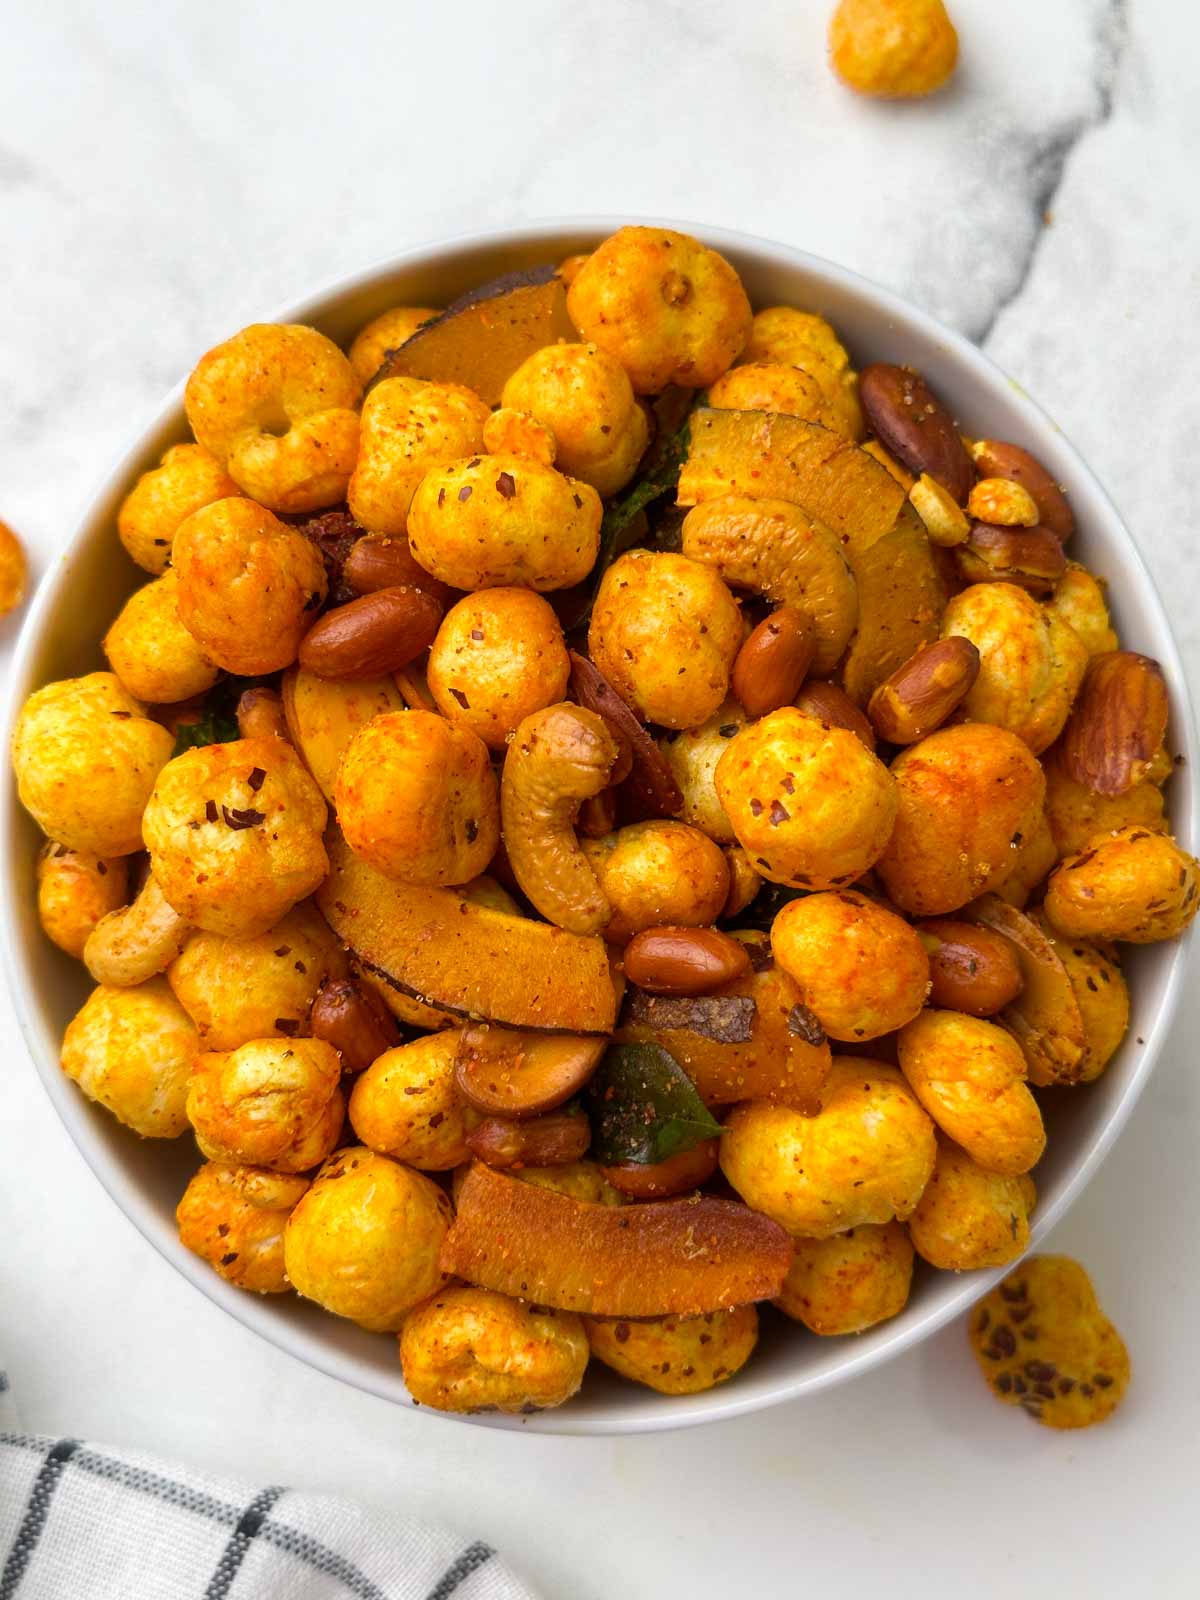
[84, 590]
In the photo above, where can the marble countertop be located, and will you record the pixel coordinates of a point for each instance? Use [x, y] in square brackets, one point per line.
[168, 172]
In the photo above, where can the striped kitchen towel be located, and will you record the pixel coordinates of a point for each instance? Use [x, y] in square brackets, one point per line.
[84, 1522]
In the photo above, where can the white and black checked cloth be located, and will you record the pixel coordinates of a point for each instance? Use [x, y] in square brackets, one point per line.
[82, 1522]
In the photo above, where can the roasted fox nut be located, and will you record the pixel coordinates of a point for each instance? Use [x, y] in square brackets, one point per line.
[248, 586]
[970, 1077]
[665, 632]
[804, 340]
[658, 873]
[1034, 857]
[921, 694]
[1003, 502]
[508, 432]
[659, 1180]
[234, 835]
[388, 331]
[811, 806]
[270, 1103]
[234, 1217]
[416, 798]
[469, 1349]
[968, 1217]
[776, 387]
[583, 396]
[915, 426]
[262, 987]
[405, 1105]
[151, 651]
[1077, 814]
[163, 498]
[669, 309]
[131, 1050]
[493, 521]
[558, 1138]
[1031, 662]
[692, 755]
[85, 757]
[850, 1281]
[408, 428]
[364, 1241]
[498, 657]
[865, 1157]
[895, 49]
[1132, 885]
[278, 408]
[677, 1355]
[75, 890]
[862, 970]
[14, 570]
[1044, 1344]
[1078, 600]
[971, 969]
[964, 795]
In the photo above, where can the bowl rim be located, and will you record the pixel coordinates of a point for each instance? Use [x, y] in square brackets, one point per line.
[252, 1311]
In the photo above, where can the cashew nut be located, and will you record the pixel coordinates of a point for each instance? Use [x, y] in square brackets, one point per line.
[558, 758]
[774, 548]
[137, 942]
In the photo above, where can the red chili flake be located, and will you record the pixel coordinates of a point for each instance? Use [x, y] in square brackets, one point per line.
[441, 498]
[256, 779]
[779, 813]
[437, 1119]
[578, 502]
[506, 485]
[756, 807]
[229, 1259]
[222, 1228]
[471, 830]
[301, 968]
[210, 811]
[284, 950]
[237, 818]
[465, 492]
[473, 463]
[101, 869]
[461, 698]
[288, 1026]
[477, 633]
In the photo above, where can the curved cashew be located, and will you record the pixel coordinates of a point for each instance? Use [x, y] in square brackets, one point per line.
[137, 942]
[558, 758]
[774, 548]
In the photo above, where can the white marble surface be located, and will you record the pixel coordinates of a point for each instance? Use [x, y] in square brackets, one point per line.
[169, 171]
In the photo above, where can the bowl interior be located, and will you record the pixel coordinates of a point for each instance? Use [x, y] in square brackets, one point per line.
[83, 592]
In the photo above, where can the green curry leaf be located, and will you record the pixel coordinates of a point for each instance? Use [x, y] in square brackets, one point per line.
[644, 1107]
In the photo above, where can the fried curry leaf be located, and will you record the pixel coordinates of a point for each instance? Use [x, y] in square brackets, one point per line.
[644, 1107]
[215, 717]
[662, 476]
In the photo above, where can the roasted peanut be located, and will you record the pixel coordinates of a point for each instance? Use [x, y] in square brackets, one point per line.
[373, 635]
[658, 1180]
[829, 703]
[1003, 501]
[945, 521]
[353, 1021]
[260, 714]
[1118, 723]
[771, 665]
[920, 695]
[1030, 557]
[996, 459]
[684, 961]
[383, 561]
[554, 1140]
[971, 968]
[506, 1073]
[914, 425]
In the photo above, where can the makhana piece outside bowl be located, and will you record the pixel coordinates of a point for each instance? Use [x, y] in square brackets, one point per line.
[146, 1178]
